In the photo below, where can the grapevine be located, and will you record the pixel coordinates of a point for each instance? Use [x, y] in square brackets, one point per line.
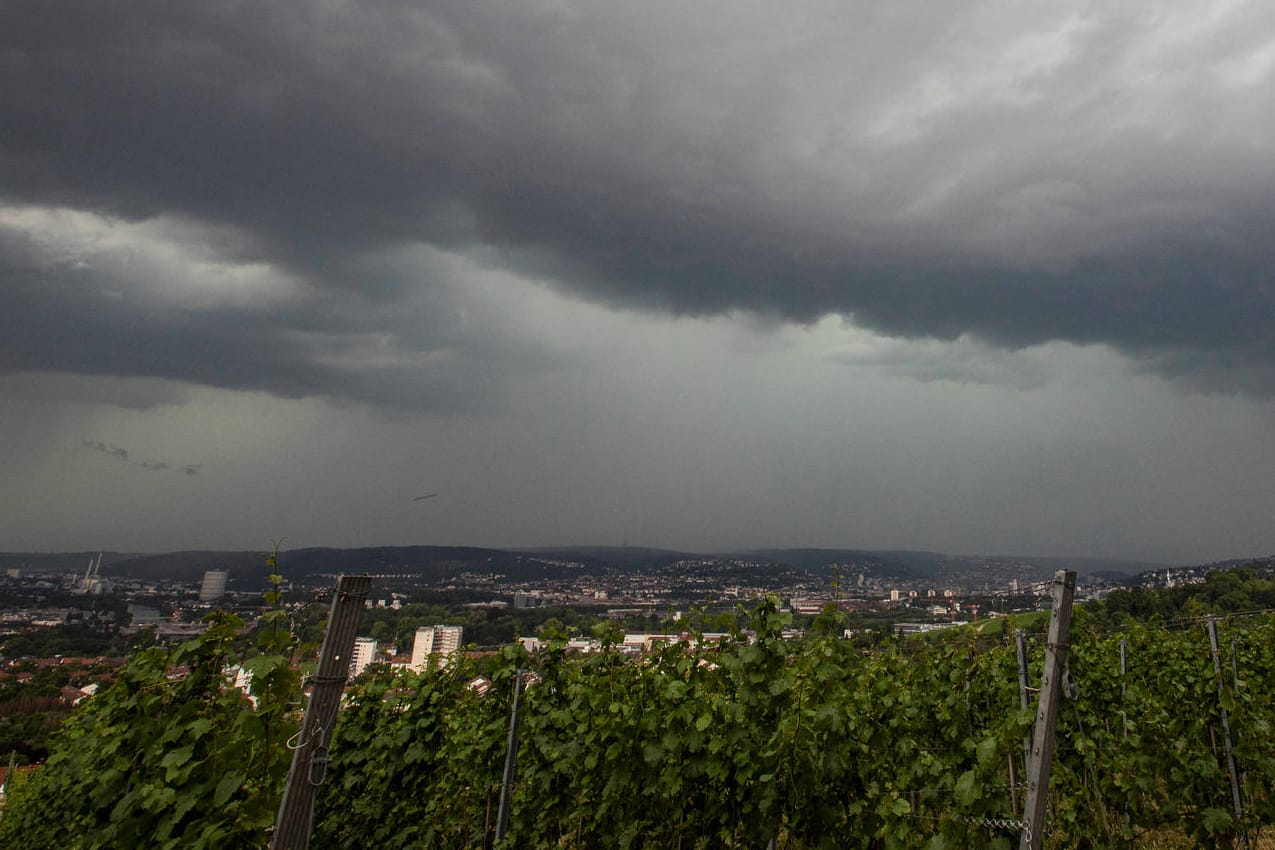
[810, 742]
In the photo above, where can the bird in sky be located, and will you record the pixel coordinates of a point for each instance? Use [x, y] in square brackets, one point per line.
[426, 496]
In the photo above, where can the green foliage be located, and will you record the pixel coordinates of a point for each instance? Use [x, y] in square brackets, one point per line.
[276, 635]
[812, 741]
[160, 762]
[416, 762]
[708, 746]
[27, 725]
[83, 637]
[815, 742]
[1147, 751]
[1221, 592]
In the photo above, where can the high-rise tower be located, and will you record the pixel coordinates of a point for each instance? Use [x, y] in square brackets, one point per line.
[363, 655]
[439, 642]
[214, 586]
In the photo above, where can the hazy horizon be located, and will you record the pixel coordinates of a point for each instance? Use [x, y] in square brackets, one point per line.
[724, 552]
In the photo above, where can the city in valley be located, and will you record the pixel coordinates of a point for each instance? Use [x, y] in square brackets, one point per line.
[69, 621]
[93, 605]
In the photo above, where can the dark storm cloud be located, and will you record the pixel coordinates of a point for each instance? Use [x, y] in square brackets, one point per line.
[1015, 175]
[126, 310]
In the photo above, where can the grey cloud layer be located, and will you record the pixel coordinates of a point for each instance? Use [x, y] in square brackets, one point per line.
[1017, 174]
[112, 450]
[122, 301]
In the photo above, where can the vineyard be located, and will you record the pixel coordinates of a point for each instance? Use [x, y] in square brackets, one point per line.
[755, 741]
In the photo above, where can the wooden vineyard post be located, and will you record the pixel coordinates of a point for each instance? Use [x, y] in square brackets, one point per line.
[1042, 754]
[310, 758]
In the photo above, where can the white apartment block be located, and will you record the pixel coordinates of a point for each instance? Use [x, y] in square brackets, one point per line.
[439, 642]
[364, 654]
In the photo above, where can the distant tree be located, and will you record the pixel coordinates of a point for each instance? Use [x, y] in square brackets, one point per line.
[1222, 592]
[84, 636]
[552, 629]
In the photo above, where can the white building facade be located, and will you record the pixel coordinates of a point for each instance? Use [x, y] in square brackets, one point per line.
[363, 655]
[213, 586]
[438, 642]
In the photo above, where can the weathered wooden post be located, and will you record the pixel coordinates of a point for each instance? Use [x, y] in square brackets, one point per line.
[310, 758]
[1042, 754]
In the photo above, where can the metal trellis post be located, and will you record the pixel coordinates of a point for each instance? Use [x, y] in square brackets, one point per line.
[310, 758]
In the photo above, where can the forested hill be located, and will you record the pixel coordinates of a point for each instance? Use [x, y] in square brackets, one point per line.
[1234, 590]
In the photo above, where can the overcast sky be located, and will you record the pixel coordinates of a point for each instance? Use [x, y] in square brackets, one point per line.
[977, 277]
